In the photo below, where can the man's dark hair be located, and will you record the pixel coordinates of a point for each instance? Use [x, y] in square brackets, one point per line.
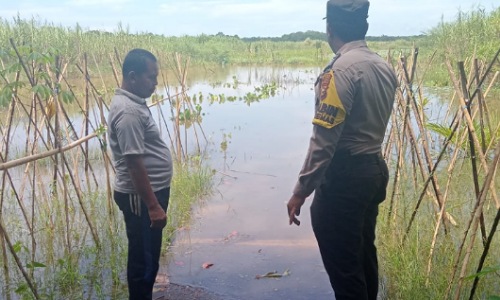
[136, 61]
[349, 31]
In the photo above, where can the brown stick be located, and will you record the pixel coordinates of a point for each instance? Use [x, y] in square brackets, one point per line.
[474, 221]
[32, 287]
[27, 159]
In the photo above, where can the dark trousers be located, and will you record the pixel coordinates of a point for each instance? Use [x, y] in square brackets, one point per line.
[344, 213]
[144, 243]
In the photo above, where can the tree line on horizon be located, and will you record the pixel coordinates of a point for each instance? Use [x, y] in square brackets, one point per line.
[301, 36]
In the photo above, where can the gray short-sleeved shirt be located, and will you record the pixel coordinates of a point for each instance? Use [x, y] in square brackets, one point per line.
[132, 130]
[354, 100]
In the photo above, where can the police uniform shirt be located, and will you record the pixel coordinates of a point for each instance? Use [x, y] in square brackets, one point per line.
[354, 100]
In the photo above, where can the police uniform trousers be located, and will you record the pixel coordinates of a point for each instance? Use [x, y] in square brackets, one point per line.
[344, 213]
[144, 243]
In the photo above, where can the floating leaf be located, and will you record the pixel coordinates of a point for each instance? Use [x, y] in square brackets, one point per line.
[233, 234]
[207, 265]
[274, 274]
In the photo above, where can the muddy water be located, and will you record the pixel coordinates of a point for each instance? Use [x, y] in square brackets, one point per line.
[242, 229]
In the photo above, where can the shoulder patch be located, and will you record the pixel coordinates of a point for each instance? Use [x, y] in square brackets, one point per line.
[330, 110]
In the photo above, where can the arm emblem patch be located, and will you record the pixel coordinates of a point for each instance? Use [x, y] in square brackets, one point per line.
[330, 110]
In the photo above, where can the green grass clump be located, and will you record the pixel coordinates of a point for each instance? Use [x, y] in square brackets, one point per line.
[192, 182]
[404, 262]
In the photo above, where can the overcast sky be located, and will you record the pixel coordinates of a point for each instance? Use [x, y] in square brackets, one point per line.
[245, 18]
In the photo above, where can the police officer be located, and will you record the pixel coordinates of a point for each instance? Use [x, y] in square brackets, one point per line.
[344, 166]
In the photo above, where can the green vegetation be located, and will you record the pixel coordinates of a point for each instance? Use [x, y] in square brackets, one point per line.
[61, 236]
[473, 32]
[191, 183]
[84, 269]
[404, 263]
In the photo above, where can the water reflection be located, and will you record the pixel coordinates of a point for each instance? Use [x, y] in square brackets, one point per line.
[243, 228]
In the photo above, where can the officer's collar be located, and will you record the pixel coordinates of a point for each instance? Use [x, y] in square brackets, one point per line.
[350, 46]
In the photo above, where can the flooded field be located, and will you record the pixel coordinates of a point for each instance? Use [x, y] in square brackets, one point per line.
[242, 229]
[251, 127]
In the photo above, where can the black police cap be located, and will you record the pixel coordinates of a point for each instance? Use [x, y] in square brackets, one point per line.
[345, 10]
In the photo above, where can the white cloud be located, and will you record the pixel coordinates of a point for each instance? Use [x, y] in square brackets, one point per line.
[241, 17]
[101, 3]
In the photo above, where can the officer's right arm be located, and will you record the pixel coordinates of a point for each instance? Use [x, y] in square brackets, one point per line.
[322, 146]
[336, 96]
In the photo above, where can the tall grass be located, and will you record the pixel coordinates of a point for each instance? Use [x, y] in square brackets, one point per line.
[475, 31]
[72, 42]
[472, 33]
[404, 265]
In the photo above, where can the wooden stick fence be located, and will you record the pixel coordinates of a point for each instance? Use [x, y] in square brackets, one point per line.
[412, 150]
[53, 141]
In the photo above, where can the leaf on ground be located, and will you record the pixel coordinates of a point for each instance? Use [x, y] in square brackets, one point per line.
[207, 265]
[274, 274]
[231, 235]
[161, 278]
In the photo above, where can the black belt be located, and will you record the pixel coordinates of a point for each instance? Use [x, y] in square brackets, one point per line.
[345, 155]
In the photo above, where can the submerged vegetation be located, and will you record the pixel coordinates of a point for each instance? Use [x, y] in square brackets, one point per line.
[61, 236]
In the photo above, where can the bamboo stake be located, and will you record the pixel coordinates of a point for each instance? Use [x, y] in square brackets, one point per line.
[115, 73]
[491, 83]
[86, 120]
[474, 221]
[453, 126]
[479, 85]
[481, 107]
[472, 149]
[3, 157]
[470, 124]
[169, 98]
[485, 253]
[399, 157]
[107, 162]
[451, 168]
[27, 159]
[425, 143]
[31, 285]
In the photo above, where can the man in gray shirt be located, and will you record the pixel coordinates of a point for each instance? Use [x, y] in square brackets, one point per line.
[143, 170]
[354, 100]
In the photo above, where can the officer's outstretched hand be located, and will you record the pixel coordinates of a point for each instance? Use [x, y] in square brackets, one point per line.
[158, 217]
[294, 205]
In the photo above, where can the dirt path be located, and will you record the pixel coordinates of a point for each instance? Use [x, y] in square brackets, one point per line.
[174, 291]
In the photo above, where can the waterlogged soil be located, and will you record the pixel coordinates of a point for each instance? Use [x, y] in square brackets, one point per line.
[174, 291]
[239, 244]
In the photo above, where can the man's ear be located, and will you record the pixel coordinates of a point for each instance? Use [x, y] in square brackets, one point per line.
[131, 76]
